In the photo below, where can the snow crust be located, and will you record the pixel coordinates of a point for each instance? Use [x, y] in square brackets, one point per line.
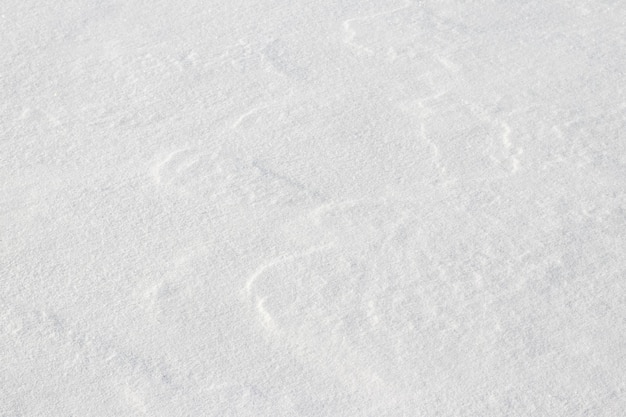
[313, 208]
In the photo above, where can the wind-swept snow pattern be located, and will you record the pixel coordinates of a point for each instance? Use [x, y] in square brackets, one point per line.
[291, 208]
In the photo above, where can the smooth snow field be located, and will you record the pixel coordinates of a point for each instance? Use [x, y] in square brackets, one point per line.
[313, 208]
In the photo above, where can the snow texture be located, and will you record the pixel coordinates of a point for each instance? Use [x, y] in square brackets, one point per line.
[313, 208]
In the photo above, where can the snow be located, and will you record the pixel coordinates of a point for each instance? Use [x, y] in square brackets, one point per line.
[313, 208]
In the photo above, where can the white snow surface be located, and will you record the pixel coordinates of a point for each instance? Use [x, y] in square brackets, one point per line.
[313, 208]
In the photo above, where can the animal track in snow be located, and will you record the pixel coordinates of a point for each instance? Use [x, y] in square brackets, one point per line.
[347, 286]
[176, 162]
[245, 116]
[510, 152]
[250, 282]
[226, 179]
[513, 151]
[420, 109]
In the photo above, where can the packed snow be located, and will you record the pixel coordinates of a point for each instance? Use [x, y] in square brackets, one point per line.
[313, 208]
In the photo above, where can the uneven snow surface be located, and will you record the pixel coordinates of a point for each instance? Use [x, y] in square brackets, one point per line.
[313, 208]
